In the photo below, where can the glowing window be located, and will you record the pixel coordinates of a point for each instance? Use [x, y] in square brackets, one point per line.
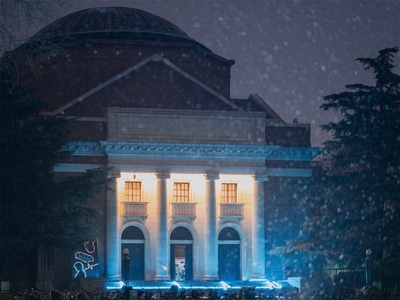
[133, 191]
[181, 192]
[229, 193]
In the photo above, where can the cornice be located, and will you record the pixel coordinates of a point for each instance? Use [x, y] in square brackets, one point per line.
[84, 148]
[192, 150]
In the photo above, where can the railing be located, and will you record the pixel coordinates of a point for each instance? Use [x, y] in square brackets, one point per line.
[138, 209]
[231, 209]
[183, 209]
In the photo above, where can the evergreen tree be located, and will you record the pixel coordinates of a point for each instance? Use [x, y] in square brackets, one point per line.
[353, 199]
[362, 164]
[38, 210]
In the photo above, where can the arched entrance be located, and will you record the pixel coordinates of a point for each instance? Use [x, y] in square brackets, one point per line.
[229, 255]
[133, 239]
[181, 255]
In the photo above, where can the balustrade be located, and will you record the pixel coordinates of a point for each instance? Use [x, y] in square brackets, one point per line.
[183, 209]
[231, 209]
[135, 209]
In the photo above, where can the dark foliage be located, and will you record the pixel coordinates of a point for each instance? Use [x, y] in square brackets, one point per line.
[360, 179]
[36, 208]
[354, 198]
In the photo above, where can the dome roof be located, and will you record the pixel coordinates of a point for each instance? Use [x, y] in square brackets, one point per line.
[111, 22]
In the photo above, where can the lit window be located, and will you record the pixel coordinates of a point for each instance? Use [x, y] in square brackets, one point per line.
[181, 192]
[229, 193]
[133, 191]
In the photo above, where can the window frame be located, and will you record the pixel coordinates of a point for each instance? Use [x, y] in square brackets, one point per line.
[181, 195]
[132, 196]
[228, 195]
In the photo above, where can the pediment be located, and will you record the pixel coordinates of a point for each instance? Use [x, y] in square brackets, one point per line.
[154, 82]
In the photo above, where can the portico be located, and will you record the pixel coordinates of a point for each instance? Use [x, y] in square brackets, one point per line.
[194, 214]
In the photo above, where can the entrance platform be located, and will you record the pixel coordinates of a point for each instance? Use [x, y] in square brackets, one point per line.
[265, 287]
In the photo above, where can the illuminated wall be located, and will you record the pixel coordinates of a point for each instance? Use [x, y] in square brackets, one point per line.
[145, 216]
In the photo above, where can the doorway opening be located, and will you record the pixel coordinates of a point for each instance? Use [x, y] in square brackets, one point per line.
[133, 239]
[181, 255]
[229, 255]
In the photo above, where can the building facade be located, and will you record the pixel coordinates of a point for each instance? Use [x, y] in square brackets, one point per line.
[191, 164]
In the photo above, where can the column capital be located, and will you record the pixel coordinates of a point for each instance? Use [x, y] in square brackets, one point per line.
[260, 177]
[211, 176]
[162, 175]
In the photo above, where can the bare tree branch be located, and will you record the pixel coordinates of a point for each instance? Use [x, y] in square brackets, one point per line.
[17, 17]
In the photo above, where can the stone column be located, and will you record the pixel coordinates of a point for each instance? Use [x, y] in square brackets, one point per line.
[162, 259]
[210, 230]
[113, 256]
[258, 232]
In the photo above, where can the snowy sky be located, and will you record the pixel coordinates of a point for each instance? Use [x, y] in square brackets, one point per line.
[290, 52]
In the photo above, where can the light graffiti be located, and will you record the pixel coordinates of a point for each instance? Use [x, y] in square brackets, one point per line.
[85, 262]
[92, 245]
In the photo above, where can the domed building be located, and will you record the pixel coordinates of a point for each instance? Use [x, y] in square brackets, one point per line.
[196, 171]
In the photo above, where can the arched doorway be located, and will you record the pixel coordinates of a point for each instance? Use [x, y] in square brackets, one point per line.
[181, 255]
[229, 255]
[133, 239]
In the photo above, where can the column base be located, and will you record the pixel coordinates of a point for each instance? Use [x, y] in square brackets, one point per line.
[257, 278]
[111, 284]
[159, 277]
[210, 277]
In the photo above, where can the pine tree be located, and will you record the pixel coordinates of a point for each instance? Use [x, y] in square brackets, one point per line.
[38, 210]
[353, 199]
[364, 164]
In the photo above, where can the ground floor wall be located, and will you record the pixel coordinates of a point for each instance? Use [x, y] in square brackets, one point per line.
[203, 239]
[186, 226]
